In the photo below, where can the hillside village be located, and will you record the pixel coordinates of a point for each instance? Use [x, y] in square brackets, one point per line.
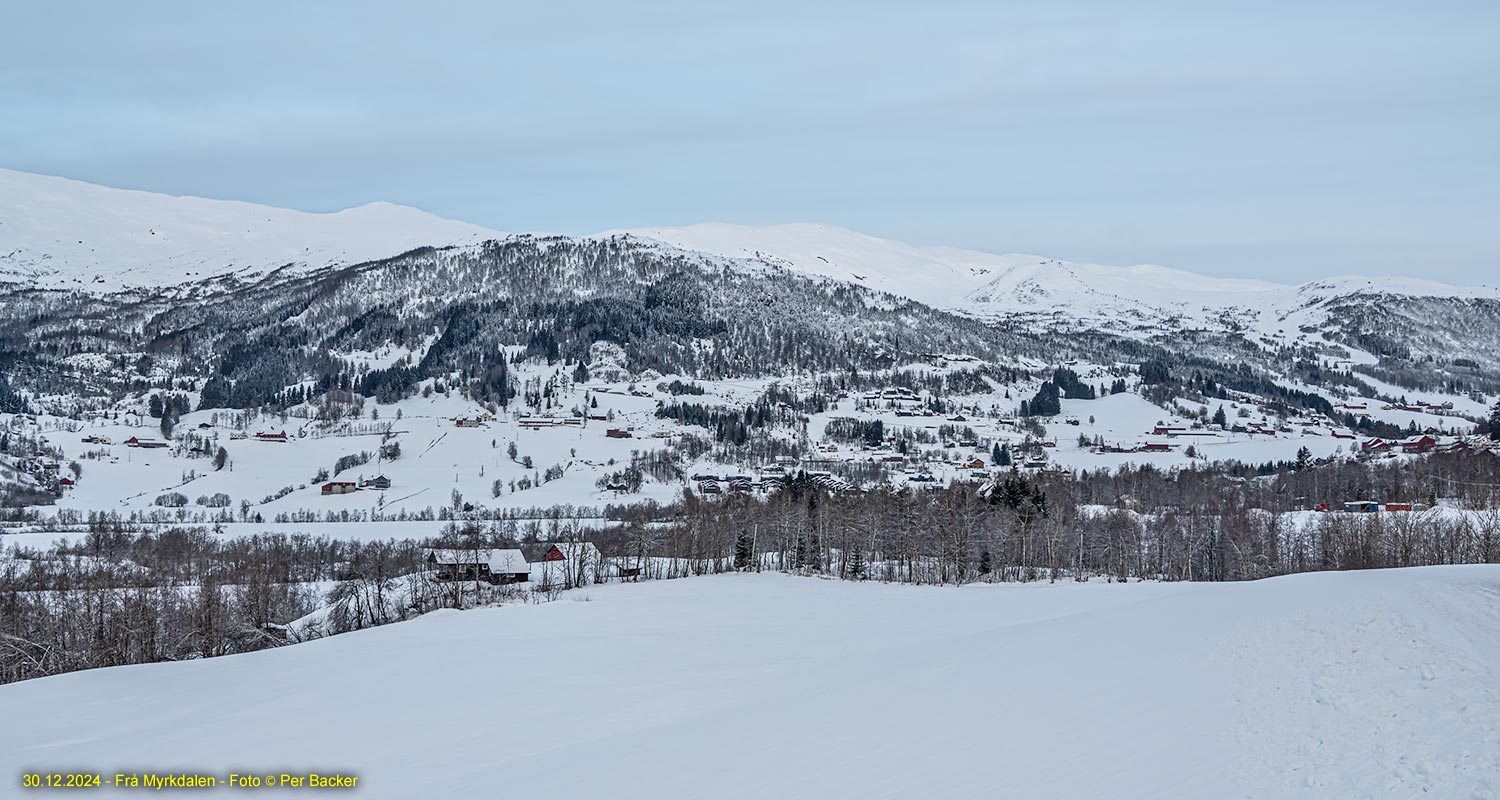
[846, 440]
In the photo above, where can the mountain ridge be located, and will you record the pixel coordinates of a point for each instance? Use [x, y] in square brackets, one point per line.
[60, 233]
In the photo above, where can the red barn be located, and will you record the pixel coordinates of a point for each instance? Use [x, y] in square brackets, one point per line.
[1377, 445]
[340, 487]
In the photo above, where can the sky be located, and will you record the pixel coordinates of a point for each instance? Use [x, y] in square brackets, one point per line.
[1279, 140]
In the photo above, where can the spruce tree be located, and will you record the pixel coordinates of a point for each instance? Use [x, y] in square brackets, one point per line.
[744, 550]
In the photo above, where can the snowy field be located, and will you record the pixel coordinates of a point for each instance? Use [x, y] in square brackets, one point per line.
[1336, 685]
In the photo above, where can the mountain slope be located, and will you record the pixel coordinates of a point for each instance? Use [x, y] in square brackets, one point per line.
[60, 233]
[1362, 684]
[1142, 298]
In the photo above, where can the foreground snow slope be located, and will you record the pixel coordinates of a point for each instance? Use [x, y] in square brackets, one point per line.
[61, 233]
[1375, 684]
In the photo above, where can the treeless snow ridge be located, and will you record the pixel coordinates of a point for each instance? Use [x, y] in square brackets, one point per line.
[60, 233]
[1368, 684]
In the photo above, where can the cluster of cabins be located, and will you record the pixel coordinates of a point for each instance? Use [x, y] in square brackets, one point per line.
[1420, 443]
[545, 564]
[744, 484]
[378, 483]
[550, 422]
[1370, 507]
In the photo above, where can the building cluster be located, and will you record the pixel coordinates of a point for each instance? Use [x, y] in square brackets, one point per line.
[547, 564]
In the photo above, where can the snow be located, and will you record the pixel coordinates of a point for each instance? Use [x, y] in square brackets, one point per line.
[60, 233]
[991, 285]
[1362, 684]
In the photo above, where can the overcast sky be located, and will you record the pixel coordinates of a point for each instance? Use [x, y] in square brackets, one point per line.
[1279, 140]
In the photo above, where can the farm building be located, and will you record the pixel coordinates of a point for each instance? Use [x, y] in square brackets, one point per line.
[564, 564]
[271, 437]
[146, 443]
[1418, 444]
[493, 566]
[377, 482]
[340, 487]
[618, 433]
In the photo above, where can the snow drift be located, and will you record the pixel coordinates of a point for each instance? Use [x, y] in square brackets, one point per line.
[1373, 684]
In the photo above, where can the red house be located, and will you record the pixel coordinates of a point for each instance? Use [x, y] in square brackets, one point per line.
[1155, 447]
[1375, 445]
[617, 433]
[271, 437]
[1418, 444]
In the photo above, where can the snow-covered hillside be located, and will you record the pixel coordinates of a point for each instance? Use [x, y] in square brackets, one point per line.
[60, 233]
[1000, 285]
[1334, 685]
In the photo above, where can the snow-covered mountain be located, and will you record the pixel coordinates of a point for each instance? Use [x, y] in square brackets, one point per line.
[993, 286]
[89, 241]
[61, 233]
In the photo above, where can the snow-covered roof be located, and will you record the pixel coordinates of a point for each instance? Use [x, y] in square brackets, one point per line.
[499, 560]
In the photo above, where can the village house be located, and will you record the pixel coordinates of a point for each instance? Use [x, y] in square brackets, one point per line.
[377, 482]
[494, 566]
[1375, 445]
[271, 437]
[1418, 444]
